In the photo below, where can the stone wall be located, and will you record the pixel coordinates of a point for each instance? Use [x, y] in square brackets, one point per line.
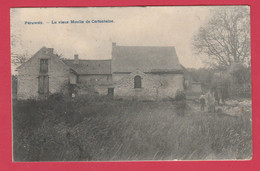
[95, 79]
[91, 90]
[196, 87]
[97, 84]
[73, 78]
[154, 86]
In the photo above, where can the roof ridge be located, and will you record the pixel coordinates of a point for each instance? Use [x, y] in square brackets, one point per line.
[148, 46]
[88, 59]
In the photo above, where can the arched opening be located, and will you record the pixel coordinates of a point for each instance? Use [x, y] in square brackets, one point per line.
[137, 82]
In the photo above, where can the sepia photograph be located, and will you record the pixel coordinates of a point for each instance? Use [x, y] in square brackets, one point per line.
[161, 83]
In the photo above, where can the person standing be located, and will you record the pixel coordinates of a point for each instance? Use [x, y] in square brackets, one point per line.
[202, 102]
[216, 95]
[211, 100]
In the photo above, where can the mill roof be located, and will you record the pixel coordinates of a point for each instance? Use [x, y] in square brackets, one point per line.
[145, 59]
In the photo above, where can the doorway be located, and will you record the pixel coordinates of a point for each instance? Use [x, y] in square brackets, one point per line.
[110, 92]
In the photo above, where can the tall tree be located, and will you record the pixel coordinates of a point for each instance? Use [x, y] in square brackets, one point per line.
[225, 39]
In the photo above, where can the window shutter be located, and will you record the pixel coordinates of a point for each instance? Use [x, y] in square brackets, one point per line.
[40, 84]
[46, 85]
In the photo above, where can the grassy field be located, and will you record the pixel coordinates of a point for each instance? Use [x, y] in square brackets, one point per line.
[101, 129]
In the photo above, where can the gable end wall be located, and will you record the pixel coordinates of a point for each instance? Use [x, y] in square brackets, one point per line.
[28, 76]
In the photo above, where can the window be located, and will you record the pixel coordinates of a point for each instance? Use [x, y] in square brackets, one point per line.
[44, 66]
[137, 82]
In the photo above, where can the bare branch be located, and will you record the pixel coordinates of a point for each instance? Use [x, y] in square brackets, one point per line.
[226, 37]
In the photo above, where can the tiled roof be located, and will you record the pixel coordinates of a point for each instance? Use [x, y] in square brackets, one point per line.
[145, 59]
[90, 66]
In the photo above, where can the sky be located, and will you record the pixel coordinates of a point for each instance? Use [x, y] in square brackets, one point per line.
[131, 26]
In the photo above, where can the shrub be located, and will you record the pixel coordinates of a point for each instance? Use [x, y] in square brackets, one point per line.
[180, 95]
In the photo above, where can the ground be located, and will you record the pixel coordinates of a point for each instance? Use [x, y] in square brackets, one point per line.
[102, 129]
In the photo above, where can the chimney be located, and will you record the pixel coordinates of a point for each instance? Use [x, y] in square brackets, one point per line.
[76, 59]
[49, 51]
[113, 44]
[113, 48]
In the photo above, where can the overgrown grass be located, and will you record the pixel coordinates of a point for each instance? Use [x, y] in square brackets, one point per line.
[101, 129]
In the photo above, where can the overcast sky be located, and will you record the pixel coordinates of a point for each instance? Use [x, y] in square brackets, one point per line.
[132, 26]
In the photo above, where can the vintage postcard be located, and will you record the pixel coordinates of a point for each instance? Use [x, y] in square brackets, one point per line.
[131, 83]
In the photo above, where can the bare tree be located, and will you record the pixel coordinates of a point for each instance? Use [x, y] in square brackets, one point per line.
[225, 39]
[16, 42]
[18, 59]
